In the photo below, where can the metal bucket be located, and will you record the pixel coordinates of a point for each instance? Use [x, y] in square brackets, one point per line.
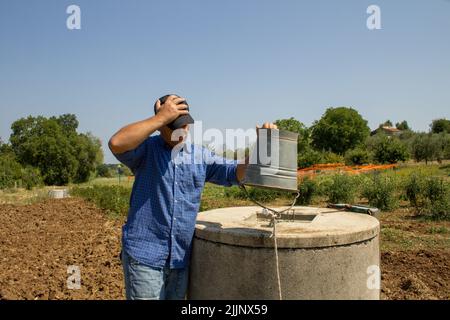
[273, 162]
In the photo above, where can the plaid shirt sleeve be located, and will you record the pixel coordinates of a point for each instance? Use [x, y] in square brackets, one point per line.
[220, 170]
[133, 158]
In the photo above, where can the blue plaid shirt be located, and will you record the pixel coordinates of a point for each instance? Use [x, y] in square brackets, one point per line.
[165, 199]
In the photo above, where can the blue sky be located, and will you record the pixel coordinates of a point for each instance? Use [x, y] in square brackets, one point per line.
[238, 62]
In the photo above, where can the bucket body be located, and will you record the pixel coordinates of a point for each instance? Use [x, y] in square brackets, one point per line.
[273, 162]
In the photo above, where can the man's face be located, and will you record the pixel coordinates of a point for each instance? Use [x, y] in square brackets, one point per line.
[174, 137]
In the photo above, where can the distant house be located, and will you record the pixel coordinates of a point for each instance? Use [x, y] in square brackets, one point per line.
[390, 131]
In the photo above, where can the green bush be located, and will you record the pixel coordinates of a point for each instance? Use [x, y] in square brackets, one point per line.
[380, 191]
[113, 199]
[437, 194]
[413, 189]
[307, 189]
[10, 171]
[387, 149]
[430, 196]
[31, 177]
[358, 156]
[308, 158]
[339, 188]
[330, 157]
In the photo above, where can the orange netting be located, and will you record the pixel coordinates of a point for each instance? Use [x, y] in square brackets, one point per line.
[341, 167]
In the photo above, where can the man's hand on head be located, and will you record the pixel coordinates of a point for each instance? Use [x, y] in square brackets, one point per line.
[171, 109]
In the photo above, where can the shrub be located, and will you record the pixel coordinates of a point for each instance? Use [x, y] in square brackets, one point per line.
[387, 149]
[380, 192]
[358, 156]
[307, 189]
[330, 157]
[308, 158]
[10, 171]
[103, 170]
[339, 188]
[437, 204]
[113, 199]
[413, 189]
[31, 177]
[430, 196]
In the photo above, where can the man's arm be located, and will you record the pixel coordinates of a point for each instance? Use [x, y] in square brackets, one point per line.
[132, 135]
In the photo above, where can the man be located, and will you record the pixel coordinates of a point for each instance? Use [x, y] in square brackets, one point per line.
[157, 237]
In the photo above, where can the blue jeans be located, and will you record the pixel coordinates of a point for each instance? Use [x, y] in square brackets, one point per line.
[143, 282]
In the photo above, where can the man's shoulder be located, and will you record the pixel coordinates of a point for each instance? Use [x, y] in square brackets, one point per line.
[154, 140]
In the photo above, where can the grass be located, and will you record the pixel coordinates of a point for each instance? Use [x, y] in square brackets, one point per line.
[398, 239]
[21, 196]
[124, 181]
[114, 199]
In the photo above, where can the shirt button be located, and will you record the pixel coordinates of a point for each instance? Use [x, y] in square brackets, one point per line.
[176, 201]
[174, 219]
[176, 182]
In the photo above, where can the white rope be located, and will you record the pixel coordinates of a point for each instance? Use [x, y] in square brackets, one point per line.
[274, 216]
[274, 234]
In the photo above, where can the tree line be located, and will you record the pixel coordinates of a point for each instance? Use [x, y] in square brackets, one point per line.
[48, 151]
[342, 135]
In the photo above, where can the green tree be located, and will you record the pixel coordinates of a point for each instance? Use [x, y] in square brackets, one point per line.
[103, 170]
[309, 157]
[5, 148]
[339, 129]
[89, 155]
[387, 123]
[425, 147]
[10, 171]
[387, 149]
[357, 156]
[67, 122]
[296, 126]
[440, 125]
[402, 125]
[54, 147]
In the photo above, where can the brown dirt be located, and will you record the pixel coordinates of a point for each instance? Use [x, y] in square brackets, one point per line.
[39, 241]
[420, 274]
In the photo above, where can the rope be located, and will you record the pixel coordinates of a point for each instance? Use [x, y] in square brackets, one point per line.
[274, 232]
[273, 222]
